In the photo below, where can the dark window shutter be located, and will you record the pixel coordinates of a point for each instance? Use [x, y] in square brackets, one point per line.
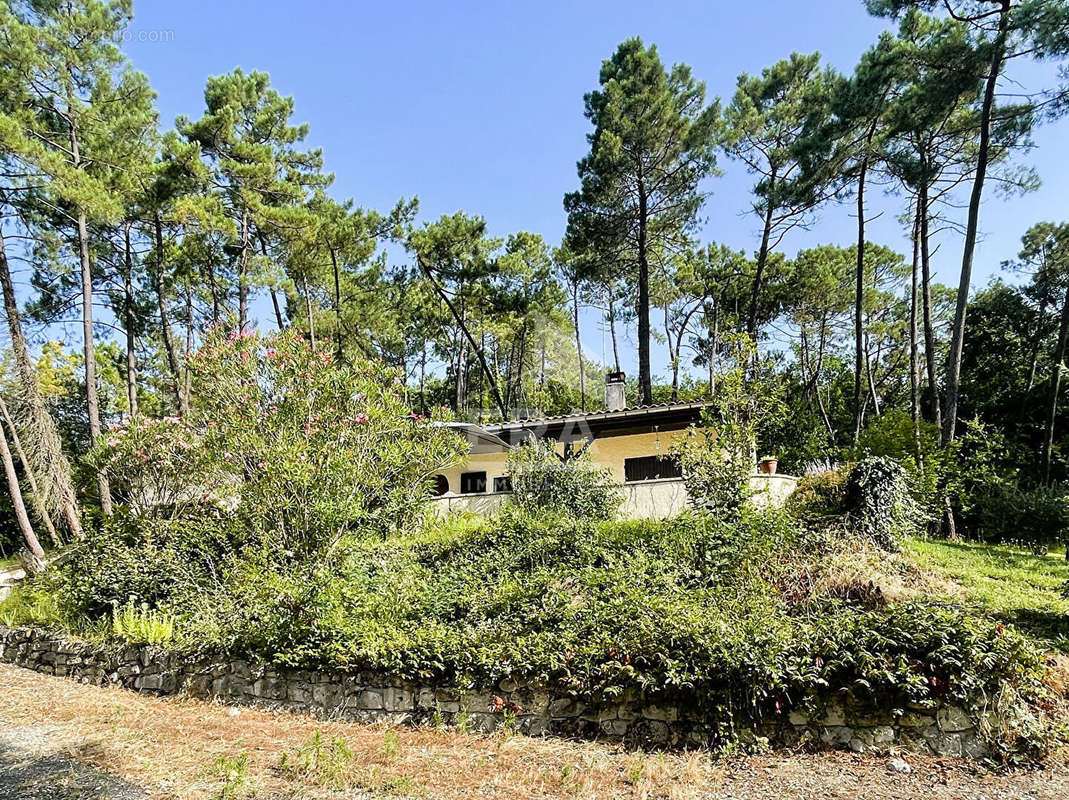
[441, 485]
[651, 468]
[473, 483]
[503, 484]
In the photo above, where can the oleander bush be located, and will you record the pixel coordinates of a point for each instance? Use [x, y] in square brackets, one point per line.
[283, 442]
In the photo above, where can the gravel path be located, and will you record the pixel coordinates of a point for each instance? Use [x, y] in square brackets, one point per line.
[60, 740]
[31, 770]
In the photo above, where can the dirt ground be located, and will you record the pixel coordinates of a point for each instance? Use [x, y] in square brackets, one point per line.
[60, 740]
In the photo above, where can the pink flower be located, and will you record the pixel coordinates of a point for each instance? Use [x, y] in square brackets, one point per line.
[360, 418]
[112, 441]
[272, 353]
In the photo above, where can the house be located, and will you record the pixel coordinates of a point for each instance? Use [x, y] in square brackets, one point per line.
[632, 442]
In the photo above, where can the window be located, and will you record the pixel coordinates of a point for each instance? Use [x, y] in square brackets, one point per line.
[473, 483]
[503, 484]
[441, 485]
[652, 468]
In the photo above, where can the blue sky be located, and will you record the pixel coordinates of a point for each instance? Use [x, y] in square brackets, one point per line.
[478, 106]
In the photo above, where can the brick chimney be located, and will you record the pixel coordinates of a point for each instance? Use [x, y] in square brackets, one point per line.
[615, 399]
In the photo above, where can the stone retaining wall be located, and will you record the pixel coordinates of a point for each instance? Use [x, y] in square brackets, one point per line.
[530, 708]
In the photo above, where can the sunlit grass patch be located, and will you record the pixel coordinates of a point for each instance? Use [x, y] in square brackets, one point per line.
[1011, 584]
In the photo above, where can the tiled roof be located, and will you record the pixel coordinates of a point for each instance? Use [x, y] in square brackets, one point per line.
[634, 411]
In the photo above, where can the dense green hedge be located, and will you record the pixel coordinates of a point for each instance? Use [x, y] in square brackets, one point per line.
[693, 607]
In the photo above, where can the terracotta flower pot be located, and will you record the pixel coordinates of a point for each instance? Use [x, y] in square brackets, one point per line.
[768, 466]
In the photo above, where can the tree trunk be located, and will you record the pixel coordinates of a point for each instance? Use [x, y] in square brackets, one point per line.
[187, 376]
[1055, 385]
[167, 334]
[673, 356]
[308, 311]
[957, 338]
[859, 287]
[762, 259]
[337, 302]
[479, 352]
[926, 305]
[21, 516]
[243, 280]
[216, 303]
[714, 342]
[423, 379]
[1037, 340]
[645, 381]
[612, 333]
[53, 469]
[129, 322]
[27, 469]
[91, 400]
[578, 344]
[914, 355]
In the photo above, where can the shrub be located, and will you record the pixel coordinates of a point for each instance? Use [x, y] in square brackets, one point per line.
[542, 480]
[285, 440]
[1036, 516]
[818, 496]
[716, 465]
[719, 457]
[878, 501]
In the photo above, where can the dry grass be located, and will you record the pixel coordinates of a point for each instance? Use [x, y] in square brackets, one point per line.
[854, 568]
[188, 749]
[181, 750]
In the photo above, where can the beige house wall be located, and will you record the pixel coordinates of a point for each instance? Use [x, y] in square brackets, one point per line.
[640, 500]
[609, 451]
[658, 499]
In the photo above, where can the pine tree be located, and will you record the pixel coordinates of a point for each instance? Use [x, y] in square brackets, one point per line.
[256, 178]
[654, 140]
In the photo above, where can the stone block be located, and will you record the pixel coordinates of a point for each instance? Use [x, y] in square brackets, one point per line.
[269, 689]
[914, 719]
[953, 719]
[946, 744]
[398, 699]
[328, 695]
[973, 746]
[299, 693]
[565, 708]
[533, 725]
[369, 700]
[836, 736]
[883, 736]
[833, 716]
[614, 727]
[661, 713]
[241, 669]
[149, 682]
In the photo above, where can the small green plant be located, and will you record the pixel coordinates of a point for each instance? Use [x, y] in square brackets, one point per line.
[463, 719]
[321, 760]
[233, 771]
[139, 623]
[391, 744]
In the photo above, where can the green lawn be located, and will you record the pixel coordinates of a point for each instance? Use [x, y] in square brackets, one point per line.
[1012, 584]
